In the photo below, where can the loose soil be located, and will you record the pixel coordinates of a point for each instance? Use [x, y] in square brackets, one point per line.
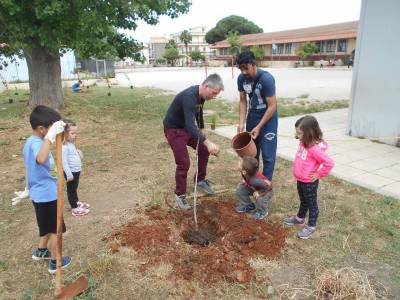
[218, 250]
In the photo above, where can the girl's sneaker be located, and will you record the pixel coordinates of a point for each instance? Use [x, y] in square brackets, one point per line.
[293, 220]
[83, 205]
[66, 261]
[41, 254]
[79, 211]
[306, 232]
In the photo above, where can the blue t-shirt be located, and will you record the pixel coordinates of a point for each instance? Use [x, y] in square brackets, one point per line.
[42, 186]
[265, 88]
[76, 86]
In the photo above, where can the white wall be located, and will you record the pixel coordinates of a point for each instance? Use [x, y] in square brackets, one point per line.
[19, 71]
[375, 95]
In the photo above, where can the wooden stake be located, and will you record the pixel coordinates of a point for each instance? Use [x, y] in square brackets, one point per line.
[60, 218]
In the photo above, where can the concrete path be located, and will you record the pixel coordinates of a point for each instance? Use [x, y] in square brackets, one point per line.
[372, 165]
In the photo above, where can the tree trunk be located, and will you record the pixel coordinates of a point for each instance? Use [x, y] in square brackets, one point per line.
[44, 78]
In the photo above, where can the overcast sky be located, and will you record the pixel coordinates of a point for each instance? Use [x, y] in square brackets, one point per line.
[270, 15]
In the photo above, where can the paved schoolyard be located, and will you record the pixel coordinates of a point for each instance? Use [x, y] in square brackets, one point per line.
[325, 84]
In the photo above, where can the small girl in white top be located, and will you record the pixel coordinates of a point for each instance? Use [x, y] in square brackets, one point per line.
[72, 165]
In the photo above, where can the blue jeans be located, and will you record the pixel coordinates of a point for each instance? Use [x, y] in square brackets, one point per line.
[266, 141]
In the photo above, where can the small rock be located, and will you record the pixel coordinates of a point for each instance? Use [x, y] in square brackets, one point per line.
[114, 248]
[251, 245]
[239, 275]
[270, 290]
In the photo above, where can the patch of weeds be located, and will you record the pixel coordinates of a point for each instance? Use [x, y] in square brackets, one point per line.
[303, 96]
[102, 265]
[28, 294]
[3, 266]
[153, 202]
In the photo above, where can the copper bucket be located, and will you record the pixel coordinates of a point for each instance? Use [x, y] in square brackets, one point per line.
[244, 145]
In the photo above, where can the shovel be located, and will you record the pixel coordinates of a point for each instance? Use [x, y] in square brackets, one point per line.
[81, 284]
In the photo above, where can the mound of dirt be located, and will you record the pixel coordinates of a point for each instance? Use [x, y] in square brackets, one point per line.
[218, 250]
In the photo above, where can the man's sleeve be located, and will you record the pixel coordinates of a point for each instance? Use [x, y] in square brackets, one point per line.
[240, 83]
[268, 86]
[189, 111]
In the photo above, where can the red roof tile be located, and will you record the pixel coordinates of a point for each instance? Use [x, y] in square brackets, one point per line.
[318, 33]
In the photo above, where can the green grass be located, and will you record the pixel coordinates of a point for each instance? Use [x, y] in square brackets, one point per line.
[228, 112]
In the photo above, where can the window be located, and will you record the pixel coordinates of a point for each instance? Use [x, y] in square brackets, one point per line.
[288, 48]
[224, 51]
[330, 46]
[320, 46]
[342, 46]
[278, 48]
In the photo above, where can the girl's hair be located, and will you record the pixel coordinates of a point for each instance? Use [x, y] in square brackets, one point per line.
[296, 125]
[312, 134]
[250, 165]
[68, 124]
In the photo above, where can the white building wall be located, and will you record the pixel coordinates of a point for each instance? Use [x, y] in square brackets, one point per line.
[18, 70]
[375, 96]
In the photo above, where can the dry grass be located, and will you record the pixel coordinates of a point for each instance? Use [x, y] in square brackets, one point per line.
[128, 166]
[344, 284]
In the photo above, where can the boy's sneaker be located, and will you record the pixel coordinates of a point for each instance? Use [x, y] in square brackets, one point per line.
[83, 205]
[206, 186]
[293, 220]
[79, 211]
[182, 202]
[66, 261]
[259, 215]
[41, 254]
[245, 208]
[306, 232]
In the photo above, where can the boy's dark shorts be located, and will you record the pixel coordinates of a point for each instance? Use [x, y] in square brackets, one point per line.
[46, 216]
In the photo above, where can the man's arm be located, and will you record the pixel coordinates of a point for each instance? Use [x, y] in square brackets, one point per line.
[242, 111]
[268, 114]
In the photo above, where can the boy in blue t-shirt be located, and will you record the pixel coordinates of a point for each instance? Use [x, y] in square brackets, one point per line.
[46, 124]
[76, 87]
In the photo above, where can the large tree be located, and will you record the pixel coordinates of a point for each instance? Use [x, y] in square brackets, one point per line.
[171, 53]
[232, 23]
[41, 30]
[186, 38]
[306, 49]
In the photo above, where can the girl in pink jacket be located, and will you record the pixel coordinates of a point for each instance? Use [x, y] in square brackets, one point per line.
[310, 164]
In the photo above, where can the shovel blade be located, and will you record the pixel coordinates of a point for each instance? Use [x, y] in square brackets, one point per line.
[74, 289]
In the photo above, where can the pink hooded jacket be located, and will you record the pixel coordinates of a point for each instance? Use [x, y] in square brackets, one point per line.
[312, 160]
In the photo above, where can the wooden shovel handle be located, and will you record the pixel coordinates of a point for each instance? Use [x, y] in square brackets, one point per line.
[60, 218]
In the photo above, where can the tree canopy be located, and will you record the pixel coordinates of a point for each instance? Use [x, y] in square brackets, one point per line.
[306, 49]
[41, 30]
[234, 42]
[196, 55]
[232, 23]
